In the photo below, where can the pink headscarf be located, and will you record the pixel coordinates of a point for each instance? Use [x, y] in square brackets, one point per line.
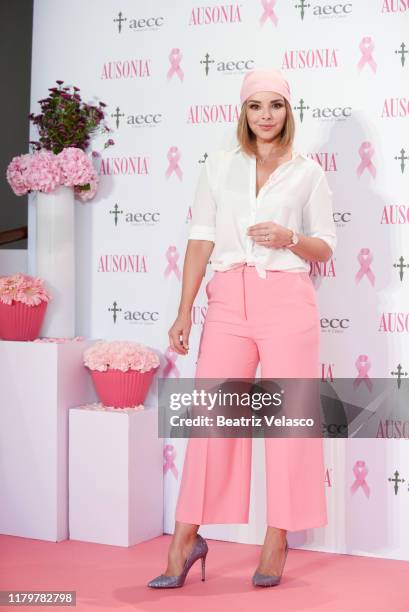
[264, 80]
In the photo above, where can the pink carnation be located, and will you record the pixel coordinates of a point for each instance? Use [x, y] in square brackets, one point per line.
[120, 355]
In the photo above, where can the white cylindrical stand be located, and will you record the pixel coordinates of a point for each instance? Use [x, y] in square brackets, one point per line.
[55, 259]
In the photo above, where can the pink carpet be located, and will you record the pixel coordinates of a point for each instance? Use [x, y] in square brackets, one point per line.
[112, 578]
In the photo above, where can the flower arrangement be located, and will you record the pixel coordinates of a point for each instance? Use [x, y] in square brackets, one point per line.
[65, 127]
[23, 302]
[120, 355]
[121, 371]
[44, 171]
[66, 121]
[22, 288]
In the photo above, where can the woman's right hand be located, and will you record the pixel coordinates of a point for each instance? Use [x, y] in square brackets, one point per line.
[179, 334]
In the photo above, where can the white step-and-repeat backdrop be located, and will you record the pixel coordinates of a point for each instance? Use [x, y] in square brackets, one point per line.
[170, 74]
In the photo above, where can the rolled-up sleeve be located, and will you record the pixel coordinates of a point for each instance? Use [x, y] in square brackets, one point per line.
[318, 220]
[203, 223]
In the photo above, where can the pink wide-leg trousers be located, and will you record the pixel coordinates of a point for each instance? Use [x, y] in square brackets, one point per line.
[274, 321]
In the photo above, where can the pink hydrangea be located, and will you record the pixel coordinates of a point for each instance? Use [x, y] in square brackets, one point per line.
[87, 194]
[23, 288]
[44, 171]
[76, 167]
[120, 355]
[18, 174]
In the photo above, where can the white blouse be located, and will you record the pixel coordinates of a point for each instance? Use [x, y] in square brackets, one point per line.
[296, 195]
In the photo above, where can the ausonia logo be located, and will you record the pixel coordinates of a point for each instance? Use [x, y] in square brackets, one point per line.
[337, 113]
[394, 322]
[395, 107]
[395, 6]
[124, 165]
[310, 58]
[198, 314]
[137, 25]
[219, 14]
[323, 269]
[227, 66]
[129, 263]
[339, 9]
[126, 69]
[325, 159]
[215, 113]
[139, 121]
[142, 317]
[327, 371]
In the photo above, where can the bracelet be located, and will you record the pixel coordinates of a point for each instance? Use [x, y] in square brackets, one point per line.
[294, 239]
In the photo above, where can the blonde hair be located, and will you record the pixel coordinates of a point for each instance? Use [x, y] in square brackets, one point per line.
[247, 139]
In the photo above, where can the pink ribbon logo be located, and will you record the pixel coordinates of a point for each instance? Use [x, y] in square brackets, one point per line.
[173, 156]
[366, 47]
[169, 454]
[365, 259]
[363, 364]
[172, 256]
[268, 6]
[360, 471]
[175, 57]
[366, 152]
[170, 357]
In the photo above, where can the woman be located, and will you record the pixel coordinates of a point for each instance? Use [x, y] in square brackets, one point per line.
[262, 212]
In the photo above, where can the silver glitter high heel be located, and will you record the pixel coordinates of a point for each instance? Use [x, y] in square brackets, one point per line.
[199, 551]
[267, 580]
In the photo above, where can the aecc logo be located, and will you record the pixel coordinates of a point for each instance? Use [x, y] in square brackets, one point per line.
[138, 25]
[147, 317]
[139, 121]
[335, 324]
[337, 113]
[135, 218]
[228, 66]
[324, 10]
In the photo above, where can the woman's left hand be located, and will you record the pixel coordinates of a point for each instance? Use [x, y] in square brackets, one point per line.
[277, 235]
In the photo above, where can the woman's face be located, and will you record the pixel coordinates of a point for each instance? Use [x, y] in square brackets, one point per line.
[266, 115]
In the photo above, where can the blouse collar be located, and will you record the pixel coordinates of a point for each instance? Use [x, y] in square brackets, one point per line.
[295, 154]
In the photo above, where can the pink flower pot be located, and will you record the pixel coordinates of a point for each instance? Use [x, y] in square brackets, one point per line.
[21, 322]
[122, 389]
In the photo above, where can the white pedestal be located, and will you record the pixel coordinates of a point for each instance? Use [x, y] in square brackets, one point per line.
[55, 259]
[39, 382]
[115, 475]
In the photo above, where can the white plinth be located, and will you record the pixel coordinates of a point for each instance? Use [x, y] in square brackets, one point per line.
[39, 382]
[115, 476]
[55, 259]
